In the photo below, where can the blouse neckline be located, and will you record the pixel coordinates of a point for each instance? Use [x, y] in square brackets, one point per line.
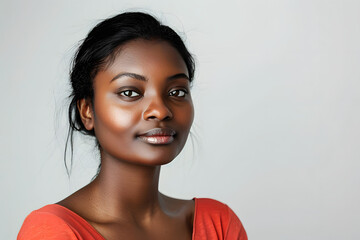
[94, 231]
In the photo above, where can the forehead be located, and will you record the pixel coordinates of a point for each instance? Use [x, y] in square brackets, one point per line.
[148, 57]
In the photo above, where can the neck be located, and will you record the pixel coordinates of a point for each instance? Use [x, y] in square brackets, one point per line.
[123, 189]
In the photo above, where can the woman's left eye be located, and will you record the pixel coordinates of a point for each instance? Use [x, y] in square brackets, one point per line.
[178, 93]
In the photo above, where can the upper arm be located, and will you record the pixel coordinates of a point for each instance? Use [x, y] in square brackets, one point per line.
[39, 225]
[235, 228]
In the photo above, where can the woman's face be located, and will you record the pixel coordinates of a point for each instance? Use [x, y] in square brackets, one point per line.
[143, 109]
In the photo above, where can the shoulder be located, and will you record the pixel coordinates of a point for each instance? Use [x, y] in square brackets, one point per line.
[44, 223]
[210, 204]
[215, 218]
[213, 208]
[56, 222]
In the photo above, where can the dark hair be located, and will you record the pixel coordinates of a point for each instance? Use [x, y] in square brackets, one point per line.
[98, 50]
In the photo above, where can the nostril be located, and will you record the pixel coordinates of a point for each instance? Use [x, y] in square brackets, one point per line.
[167, 118]
[159, 118]
[157, 110]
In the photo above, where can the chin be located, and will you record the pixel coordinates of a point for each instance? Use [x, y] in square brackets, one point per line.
[156, 158]
[149, 154]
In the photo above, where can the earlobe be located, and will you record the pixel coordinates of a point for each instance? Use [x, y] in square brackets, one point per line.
[86, 113]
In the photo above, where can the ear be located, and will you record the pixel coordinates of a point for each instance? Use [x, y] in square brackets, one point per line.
[86, 113]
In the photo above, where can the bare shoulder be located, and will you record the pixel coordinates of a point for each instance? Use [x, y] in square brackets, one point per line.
[79, 203]
[72, 200]
[177, 205]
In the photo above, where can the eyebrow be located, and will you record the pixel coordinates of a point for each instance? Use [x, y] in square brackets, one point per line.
[142, 78]
[177, 76]
[131, 75]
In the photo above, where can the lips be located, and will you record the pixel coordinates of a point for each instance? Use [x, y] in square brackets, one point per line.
[158, 136]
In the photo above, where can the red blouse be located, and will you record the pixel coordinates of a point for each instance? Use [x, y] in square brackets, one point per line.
[213, 220]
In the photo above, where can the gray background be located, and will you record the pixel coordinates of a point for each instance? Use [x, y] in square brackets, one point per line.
[277, 110]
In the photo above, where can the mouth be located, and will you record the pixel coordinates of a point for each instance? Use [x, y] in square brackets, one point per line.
[158, 136]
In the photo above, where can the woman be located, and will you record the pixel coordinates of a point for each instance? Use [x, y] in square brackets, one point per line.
[131, 82]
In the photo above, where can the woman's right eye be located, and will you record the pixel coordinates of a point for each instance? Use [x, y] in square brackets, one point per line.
[129, 94]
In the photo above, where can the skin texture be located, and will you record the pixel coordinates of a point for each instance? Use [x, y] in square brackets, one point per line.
[145, 87]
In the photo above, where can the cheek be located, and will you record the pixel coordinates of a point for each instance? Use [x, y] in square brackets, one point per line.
[191, 116]
[111, 120]
[115, 118]
[120, 119]
[186, 117]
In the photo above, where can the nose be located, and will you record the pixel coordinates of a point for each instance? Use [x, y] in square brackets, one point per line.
[157, 110]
